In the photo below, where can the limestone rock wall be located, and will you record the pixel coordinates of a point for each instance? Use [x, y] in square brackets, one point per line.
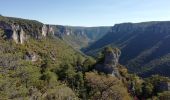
[15, 35]
[18, 35]
[44, 30]
[47, 30]
[22, 36]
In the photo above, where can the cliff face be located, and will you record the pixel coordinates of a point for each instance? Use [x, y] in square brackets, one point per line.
[47, 30]
[44, 30]
[23, 37]
[79, 37]
[144, 46]
[18, 35]
[20, 29]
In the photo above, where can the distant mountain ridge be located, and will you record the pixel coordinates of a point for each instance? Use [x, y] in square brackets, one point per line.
[145, 46]
[79, 37]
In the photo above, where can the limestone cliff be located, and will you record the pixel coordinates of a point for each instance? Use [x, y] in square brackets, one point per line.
[18, 35]
[51, 30]
[19, 30]
[22, 36]
[47, 30]
[79, 37]
[15, 35]
[44, 30]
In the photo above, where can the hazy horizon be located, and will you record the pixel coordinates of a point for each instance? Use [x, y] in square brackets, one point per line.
[87, 13]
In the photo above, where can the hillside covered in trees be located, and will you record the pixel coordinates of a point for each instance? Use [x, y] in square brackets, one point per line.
[145, 46]
[80, 37]
[36, 65]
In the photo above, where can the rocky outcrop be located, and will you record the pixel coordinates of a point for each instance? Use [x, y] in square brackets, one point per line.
[47, 30]
[31, 57]
[111, 59]
[44, 30]
[20, 30]
[68, 31]
[22, 36]
[51, 30]
[15, 35]
[18, 35]
[112, 56]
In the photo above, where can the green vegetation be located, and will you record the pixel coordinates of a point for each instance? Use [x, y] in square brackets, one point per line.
[144, 46]
[105, 87]
[80, 37]
[20, 76]
[150, 88]
[49, 69]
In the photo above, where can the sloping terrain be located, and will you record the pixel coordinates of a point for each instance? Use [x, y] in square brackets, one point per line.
[80, 37]
[145, 46]
[44, 67]
[29, 70]
[36, 65]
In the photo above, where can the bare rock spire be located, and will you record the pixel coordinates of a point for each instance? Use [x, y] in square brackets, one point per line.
[22, 36]
[47, 30]
[44, 30]
[111, 60]
[51, 30]
[16, 31]
[18, 35]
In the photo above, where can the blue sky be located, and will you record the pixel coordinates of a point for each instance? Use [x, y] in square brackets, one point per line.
[87, 12]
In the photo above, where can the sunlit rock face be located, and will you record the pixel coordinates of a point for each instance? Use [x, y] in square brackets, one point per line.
[22, 36]
[51, 30]
[44, 30]
[16, 31]
[67, 32]
[112, 56]
[18, 35]
[111, 60]
[47, 30]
